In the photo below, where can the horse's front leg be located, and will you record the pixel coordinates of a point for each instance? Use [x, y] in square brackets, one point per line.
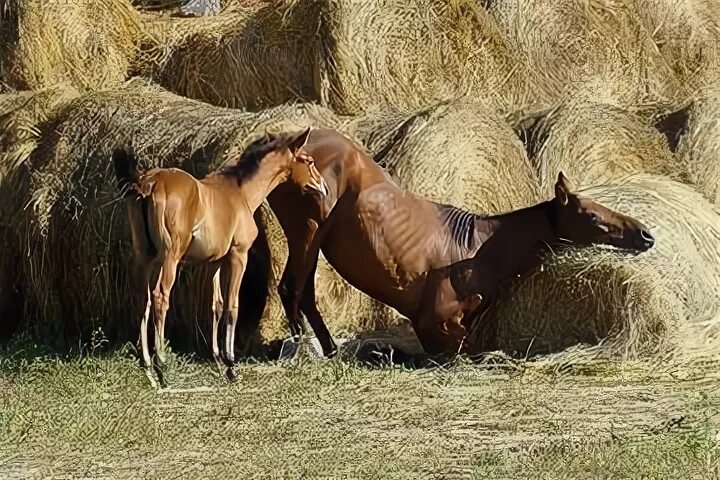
[236, 263]
[308, 306]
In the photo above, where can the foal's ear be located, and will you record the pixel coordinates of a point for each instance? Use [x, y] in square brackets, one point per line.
[562, 189]
[295, 144]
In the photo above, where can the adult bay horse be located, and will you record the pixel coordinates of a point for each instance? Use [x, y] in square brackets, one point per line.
[384, 241]
[176, 218]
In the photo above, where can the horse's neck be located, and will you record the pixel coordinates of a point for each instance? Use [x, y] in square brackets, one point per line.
[515, 243]
[256, 188]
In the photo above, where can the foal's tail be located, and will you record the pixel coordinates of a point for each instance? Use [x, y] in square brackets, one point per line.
[126, 171]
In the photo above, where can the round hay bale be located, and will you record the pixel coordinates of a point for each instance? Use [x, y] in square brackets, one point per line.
[687, 34]
[75, 231]
[460, 153]
[661, 300]
[411, 54]
[699, 149]
[87, 43]
[565, 43]
[248, 58]
[599, 142]
[20, 113]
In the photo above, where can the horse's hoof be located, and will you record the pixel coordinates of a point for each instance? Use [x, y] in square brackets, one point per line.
[289, 349]
[332, 353]
[230, 374]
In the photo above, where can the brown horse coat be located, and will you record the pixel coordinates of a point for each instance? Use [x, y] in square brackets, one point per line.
[383, 241]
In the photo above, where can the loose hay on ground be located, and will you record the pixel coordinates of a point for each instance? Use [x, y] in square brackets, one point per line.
[75, 230]
[411, 54]
[243, 58]
[663, 300]
[88, 43]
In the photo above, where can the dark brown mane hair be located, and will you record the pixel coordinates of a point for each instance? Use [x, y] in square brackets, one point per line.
[249, 163]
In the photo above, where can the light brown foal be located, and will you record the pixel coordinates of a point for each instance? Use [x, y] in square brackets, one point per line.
[176, 218]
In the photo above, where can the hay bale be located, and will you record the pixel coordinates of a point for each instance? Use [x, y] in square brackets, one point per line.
[595, 142]
[565, 43]
[411, 54]
[88, 43]
[699, 148]
[75, 213]
[20, 113]
[243, 58]
[657, 301]
[461, 153]
[687, 34]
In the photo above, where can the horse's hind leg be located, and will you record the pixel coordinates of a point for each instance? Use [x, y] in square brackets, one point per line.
[217, 310]
[141, 273]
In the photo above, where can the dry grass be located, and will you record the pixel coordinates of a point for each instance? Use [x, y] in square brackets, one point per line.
[411, 54]
[87, 43]
[566, 43]
[96, 418]
[246, 57]
[666, 299]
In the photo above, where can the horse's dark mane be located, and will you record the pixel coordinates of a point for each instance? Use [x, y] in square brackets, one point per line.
[460, 223]
[249, 162]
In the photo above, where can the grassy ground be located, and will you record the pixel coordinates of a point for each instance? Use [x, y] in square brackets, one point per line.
[96, 418]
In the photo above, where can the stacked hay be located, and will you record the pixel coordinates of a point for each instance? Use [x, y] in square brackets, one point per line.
[663, 300]
[699, 148]
[88, 43]
[243, 58]
[595, 142]
[20, 113]
[75, 231]
[460, 153]
[411, 54]
[565, 43]
[687, 33]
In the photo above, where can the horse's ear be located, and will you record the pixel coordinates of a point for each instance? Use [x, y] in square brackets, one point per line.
[295, 144]
[562, 189]
[674, 124]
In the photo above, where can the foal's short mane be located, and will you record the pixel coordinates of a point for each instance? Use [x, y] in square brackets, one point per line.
[250, 159]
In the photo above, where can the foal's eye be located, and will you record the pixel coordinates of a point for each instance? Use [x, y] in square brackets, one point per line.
[594, 219]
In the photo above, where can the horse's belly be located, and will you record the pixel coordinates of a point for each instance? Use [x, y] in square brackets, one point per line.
[353, 257]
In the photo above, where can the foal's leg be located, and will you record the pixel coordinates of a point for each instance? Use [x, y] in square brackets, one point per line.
[217, 310]
[161, 301]
[140, 278]
[237, 261]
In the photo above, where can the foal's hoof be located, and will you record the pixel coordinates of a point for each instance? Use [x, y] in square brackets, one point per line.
[230, 374]
[332, 353]
[289, 348]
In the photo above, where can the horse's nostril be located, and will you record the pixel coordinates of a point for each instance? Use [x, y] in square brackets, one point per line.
[646, 239]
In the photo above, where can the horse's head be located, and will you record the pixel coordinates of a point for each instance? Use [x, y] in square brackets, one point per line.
[303, 171]
[583, 221]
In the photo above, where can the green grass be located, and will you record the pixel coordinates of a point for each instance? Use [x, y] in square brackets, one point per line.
[96, 417]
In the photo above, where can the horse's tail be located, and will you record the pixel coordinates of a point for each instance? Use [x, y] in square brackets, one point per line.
[126, 171]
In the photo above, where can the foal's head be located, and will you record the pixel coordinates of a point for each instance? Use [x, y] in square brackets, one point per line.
[584, 222]
[284, 150]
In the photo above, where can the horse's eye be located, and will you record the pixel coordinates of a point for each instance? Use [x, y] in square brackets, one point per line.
[594, 219]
